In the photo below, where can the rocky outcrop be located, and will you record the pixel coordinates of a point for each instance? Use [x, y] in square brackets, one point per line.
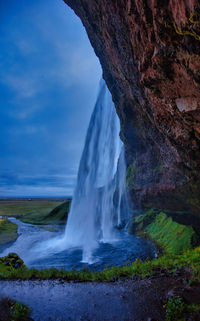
[150, 55]
[12, 260]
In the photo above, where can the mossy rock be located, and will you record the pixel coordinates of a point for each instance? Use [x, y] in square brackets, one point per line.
[12, 260]
[172, 237]
[130, 175]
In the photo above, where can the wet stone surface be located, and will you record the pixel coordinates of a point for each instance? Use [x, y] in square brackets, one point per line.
[125, 300]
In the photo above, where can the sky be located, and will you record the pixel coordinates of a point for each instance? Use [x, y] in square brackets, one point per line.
[49, 78]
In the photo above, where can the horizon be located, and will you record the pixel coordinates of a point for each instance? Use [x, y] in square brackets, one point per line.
[35, 197]
[49, 81]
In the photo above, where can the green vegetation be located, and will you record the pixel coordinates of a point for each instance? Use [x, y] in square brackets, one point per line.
[189, 259]
[158, 168]
[19, 312]
[130, 173]
[13, 311]
[177, 309]
[36, 211]
[8, 231]
[172, 237]
[12, 260]
[57, 216]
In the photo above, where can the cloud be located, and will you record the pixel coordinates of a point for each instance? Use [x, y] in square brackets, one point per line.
[50, 77]
[23, 85]
[46, 55]
[35, 191]
[27, 130]
[69, 64]
[25, 46]
[13, 184]
[25, 112]
[76, 65]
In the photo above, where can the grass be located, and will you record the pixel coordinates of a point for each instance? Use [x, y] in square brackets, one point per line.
[37, 211]
[172, 237]
[177, 309]
[57, 216]
[34, 211]
[8, 231]
[19, 312]
[13, 311]
[189, 259]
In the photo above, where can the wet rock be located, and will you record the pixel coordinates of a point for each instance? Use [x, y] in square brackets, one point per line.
[150, 55]
[12, 260]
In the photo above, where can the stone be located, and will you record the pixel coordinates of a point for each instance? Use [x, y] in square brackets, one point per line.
[150, 55]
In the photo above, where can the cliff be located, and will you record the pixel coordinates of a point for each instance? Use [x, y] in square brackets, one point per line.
[149, 51]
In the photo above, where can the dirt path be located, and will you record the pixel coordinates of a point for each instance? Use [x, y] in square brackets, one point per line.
[126, 300]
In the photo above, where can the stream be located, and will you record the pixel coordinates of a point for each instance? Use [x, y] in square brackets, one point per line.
[34, 246]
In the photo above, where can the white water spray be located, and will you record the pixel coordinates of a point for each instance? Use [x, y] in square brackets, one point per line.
[98, 209]
[99, 203]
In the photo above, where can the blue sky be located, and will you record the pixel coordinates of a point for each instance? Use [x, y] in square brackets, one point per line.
[49, 77]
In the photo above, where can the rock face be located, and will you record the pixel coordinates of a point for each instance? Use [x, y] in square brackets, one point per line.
[150, 55]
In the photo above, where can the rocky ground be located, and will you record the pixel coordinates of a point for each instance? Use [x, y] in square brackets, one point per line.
[124, 300]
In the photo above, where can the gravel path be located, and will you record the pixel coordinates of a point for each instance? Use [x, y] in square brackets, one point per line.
[125, 300]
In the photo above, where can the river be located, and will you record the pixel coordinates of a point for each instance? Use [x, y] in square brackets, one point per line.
[34, 246]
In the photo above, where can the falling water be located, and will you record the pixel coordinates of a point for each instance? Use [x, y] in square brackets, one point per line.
[99, 208]
[99, 203]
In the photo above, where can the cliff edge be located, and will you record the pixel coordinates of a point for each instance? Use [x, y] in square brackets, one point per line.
[149, 51]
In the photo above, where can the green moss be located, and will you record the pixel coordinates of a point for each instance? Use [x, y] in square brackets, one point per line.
[8, 231]
[12, 260]
[177, 309]
[146, 217]
[173, 237]
[13, 311]
[130, 174]
[20, 312]
[158, 168]
[189, 259]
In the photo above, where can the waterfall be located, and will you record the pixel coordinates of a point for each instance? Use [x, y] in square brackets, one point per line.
[99, 203]
[99, 208]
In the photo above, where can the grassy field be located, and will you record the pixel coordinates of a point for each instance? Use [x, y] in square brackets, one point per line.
[8, 231]
[13, 311]
[35, 211]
